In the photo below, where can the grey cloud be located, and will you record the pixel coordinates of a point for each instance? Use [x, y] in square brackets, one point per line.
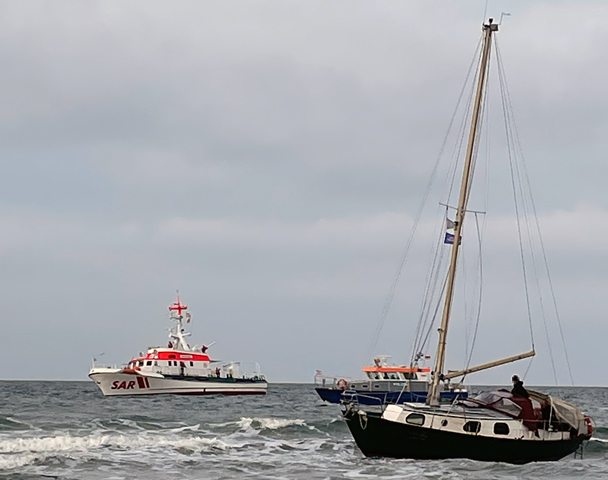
[267, 158]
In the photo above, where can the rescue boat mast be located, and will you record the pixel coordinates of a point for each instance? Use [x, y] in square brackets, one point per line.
[178, 333]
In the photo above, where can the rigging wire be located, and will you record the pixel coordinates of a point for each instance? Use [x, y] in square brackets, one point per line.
[516, 181]
[391, 294]
[469, 348]
[475, 330]
[480, 230]
[427, 316]
[458, 151]
[514, 188]
[526, 177]
[474, 157]
[485, 11]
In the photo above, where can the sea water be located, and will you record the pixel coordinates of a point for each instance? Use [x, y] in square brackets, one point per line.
[68, 430]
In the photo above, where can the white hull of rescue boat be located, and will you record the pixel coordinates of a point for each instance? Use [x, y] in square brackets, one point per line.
[114, 382]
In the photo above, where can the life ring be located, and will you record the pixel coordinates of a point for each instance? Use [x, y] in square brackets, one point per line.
[589, 427]
[342, 384]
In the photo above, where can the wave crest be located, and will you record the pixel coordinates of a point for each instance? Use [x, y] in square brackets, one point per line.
[269, 423]
[61, 444]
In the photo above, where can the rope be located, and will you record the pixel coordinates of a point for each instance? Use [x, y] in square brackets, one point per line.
[361, 422]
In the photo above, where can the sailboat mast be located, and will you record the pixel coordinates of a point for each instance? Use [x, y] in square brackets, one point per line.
[433, 397]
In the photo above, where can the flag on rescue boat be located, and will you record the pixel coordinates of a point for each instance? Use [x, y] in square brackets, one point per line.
[188, 317]
[450, 232]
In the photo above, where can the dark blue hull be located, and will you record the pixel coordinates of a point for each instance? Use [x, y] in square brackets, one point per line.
[336, 395]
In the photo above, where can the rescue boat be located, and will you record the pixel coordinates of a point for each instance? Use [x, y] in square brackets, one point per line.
[384, 383]
[179, 369]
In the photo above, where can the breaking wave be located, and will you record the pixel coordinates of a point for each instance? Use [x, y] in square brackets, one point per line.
[270, 423]
[69, 443]
[17, 452]
[7, 423]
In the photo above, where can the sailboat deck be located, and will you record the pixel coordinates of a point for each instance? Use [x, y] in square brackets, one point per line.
[459, 410]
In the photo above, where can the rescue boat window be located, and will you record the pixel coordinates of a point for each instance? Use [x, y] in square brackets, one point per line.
[501, 429]
[140, 363]
[192, 364]
[364, 385]
[415, 419]
[472, 427]
[156, 364]
[149, 362]
[376, 386]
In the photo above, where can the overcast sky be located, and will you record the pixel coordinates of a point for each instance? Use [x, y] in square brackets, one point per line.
[267, 158]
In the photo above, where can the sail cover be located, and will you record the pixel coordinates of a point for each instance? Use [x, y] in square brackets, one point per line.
[564, 411]
[502, 401]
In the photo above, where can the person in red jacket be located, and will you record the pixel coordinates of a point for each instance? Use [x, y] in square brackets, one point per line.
[521, 396]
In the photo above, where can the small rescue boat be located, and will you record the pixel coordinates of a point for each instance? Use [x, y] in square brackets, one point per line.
[384, 384]
[179, 369]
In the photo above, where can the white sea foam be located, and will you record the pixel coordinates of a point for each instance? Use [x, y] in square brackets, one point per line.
[187, 428]
[69, 443]
[11, 462]
[256, 423]
[595, 439]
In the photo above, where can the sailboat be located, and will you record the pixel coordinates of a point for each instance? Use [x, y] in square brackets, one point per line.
[493, 426]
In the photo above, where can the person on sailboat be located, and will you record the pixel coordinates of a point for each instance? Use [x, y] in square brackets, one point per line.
[518, 387]
[522, 398]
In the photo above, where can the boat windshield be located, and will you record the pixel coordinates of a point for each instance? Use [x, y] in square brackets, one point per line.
[499, 400]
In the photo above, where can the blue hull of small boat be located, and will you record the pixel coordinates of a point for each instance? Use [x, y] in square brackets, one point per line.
[336, 395]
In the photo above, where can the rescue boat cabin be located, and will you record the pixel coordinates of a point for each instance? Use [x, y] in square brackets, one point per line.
[397, 373]
[168, 361]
